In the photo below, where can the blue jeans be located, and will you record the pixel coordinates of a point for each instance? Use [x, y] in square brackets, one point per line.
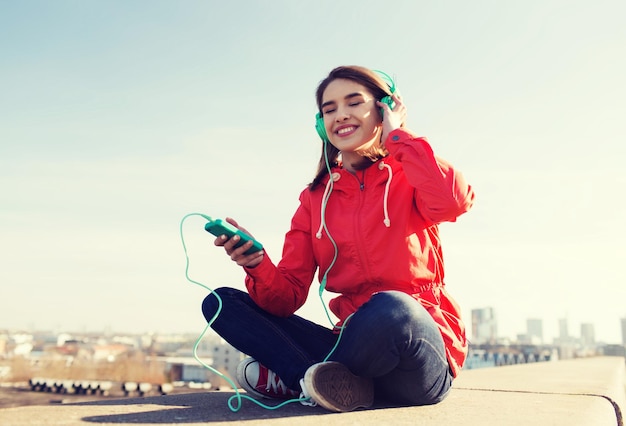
[391, 339]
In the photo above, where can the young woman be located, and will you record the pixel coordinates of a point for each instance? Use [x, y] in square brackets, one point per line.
[367, 224]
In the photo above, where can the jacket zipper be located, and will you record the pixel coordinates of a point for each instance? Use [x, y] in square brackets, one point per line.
[361, 243]
[361, 181]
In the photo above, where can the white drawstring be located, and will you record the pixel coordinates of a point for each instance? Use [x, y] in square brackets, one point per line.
[332, 178]
[382, 164]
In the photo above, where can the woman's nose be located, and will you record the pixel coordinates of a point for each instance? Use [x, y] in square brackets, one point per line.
[342, 115]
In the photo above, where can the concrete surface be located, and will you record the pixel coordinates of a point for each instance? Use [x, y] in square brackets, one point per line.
[583, 392]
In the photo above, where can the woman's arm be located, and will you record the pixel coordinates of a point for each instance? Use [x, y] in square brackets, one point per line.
[441, 192]
[283, 289]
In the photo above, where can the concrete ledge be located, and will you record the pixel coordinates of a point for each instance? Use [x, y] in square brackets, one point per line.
[587, 391]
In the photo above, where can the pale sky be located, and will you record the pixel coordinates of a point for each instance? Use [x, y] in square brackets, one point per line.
[118, 118]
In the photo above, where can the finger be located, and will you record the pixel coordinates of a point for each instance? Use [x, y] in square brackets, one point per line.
[230, 244]
[251, 260]
[240, 251]
[220, 240]
[243, 259]
[397, 101]
[384, 106]
[236, 225]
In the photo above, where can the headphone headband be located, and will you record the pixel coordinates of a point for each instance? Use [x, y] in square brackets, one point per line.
[387, 79]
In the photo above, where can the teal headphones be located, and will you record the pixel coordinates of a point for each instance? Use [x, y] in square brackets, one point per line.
[319, 119]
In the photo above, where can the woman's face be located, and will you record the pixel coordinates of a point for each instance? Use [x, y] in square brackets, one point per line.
[351, 116]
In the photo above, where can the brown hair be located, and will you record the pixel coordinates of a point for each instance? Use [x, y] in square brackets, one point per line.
[375, 85]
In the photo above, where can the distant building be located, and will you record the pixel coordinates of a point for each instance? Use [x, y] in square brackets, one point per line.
[108, 352]
[212, 351]
[534, 330]
[563, 329]
[565, 343]
[615, 350]
[484, 326]
[587, 334]
[23, 344]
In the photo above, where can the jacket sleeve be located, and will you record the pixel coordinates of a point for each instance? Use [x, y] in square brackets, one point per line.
[441, 192]
[281, 290]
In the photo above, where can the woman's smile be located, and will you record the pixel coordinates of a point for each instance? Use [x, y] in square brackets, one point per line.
[345, 130]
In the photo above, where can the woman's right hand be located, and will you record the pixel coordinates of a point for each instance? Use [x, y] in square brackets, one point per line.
[237, 254]
[393, 118]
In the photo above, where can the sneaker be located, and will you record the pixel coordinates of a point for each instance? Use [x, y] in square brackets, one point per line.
[261, 382]
[332, 386]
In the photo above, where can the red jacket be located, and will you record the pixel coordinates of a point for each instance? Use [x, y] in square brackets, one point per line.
[411, 188]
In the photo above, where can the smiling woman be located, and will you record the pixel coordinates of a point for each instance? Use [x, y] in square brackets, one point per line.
[368, 225]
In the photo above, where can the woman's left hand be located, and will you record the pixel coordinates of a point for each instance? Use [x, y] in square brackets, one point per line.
[393, 118]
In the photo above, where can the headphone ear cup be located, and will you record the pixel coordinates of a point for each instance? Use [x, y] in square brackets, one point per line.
[389, 101]
[319, 126]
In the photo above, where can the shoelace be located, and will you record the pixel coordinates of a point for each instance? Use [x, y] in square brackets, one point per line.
[305, 398]
[274, 383]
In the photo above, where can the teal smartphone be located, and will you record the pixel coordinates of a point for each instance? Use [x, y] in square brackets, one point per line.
[219, 227]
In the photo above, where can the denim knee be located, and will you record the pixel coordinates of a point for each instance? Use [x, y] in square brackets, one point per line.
[214, 300]
[398, 307]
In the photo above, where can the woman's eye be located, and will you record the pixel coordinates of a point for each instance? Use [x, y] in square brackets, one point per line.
[355, 103]
[328, 111]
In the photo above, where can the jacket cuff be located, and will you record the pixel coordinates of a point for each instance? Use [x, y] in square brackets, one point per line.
[402, 136]
[262, 270]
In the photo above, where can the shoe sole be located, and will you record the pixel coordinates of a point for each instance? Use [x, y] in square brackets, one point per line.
[335, 388]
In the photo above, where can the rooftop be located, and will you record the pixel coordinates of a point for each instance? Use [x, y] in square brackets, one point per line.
[585, 391]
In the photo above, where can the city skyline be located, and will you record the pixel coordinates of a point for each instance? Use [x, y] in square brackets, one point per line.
[535, 327]
[118, 118]
[484, 328]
